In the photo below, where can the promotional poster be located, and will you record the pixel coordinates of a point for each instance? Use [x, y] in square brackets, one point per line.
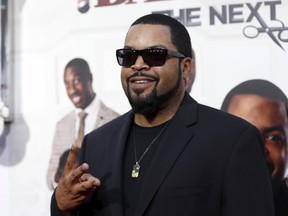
[235, 42]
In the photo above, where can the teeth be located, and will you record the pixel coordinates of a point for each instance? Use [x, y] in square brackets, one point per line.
[76, 99]
[141, 81]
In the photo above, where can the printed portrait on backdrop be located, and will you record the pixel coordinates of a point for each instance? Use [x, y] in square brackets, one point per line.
[89, 113]
[266, 106]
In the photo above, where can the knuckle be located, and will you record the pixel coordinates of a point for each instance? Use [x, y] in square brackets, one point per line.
[83, 187]
[73, 176]
[68, 163]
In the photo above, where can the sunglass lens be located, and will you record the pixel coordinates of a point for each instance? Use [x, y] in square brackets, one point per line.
[151, 56]
[126, 57]
[154, 56]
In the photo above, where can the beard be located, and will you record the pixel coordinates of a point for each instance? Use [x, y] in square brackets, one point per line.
[149, 103]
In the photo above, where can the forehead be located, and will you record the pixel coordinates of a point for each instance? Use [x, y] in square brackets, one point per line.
[71, 72]
[258, 110]
[146, 35]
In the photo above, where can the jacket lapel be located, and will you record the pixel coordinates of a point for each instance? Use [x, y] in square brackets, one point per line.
[102, 115]
[177, 136]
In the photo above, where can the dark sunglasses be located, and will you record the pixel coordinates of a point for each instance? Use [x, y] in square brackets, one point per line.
[151, 56]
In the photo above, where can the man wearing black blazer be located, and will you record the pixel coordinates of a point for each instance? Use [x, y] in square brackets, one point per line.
[169, 155]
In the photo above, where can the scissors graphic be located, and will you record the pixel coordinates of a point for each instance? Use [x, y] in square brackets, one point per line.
[253, 32]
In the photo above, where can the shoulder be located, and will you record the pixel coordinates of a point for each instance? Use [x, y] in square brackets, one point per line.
[70, 117]
[208, 117]
[113, 125]
[107, 110]
[226, 129]
[221, 118]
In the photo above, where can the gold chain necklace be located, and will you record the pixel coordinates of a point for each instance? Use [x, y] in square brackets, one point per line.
[136, 167]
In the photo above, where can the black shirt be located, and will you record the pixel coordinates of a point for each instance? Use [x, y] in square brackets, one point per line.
[143, 138]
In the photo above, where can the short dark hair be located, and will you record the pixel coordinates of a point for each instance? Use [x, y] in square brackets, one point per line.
[82, 68]
[259, 87]
[179, 34]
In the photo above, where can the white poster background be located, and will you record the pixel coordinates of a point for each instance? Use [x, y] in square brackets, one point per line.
[50, 33]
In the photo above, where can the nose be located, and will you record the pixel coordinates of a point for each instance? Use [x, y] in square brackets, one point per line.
[70, 89]
[139, 63]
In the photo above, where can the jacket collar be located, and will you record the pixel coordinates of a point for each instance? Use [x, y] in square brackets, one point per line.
[177, 136]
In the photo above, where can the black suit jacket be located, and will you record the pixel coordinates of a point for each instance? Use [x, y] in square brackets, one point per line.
[207, 163]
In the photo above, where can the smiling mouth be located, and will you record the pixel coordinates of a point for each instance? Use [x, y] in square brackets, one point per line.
[76, 99]
[141, 81]
[141, 78]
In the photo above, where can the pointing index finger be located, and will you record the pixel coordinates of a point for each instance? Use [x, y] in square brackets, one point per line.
[72, 161]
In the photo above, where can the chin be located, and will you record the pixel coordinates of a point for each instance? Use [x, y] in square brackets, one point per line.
[78, 106]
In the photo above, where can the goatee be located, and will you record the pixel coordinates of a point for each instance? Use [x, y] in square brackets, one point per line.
[150, 103]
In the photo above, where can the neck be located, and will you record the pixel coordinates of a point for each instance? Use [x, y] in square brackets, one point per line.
[91, 98]
[161, 115]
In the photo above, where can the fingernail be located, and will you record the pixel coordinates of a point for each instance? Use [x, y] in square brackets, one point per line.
[73, 147]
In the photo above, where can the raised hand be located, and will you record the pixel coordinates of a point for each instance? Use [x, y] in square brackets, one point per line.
[76, 184]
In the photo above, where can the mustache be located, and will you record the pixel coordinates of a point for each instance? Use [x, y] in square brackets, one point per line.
[142, 74]
[75, 94]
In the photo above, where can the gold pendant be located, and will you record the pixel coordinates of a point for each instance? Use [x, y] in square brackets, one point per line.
[135, 170]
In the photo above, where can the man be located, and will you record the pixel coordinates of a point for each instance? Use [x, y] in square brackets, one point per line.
[264, 105]
[78, 82]
[169, 155]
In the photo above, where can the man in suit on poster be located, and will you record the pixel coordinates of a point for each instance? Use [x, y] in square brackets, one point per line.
[168, 155]
[264, 105]
[78, 82]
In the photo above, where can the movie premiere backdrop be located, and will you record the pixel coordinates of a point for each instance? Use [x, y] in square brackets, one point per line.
[234, 41]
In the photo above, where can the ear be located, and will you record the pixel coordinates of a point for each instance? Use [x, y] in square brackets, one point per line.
[187, 65]
[188, 73]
